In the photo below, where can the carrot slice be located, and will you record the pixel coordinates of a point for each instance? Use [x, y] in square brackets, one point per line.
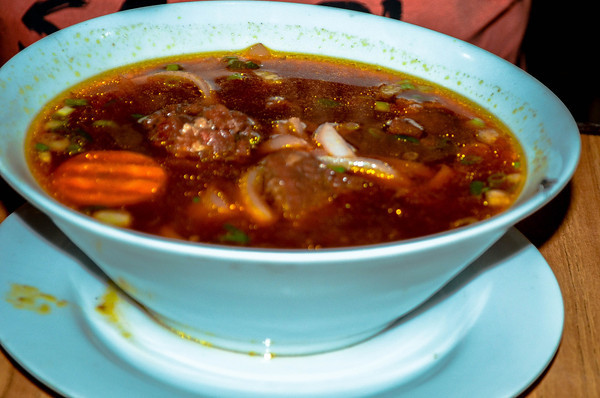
[442, 177]
[108, 178]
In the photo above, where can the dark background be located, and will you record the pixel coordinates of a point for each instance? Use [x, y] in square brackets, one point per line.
[561, 49]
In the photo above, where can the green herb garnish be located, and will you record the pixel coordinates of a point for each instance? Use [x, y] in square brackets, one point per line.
[382, 106]
[407, 138]
[234, 63]
[41, 147]
[236, 76]
[76, 102]
[173, 67]
[477, 187]
[104, 123]
[406, 85]
[63, 112]
[337, 169]
[327, 102]
[74, 148]
[470, 159]
[496, 179]
[476, 122]
[234, 235]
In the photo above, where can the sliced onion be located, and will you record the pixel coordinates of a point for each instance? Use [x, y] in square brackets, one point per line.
[212, 203]
[293, 126]
[362, 165]
[198, 81]
[254, 203]
[413, 123]
[215, 200]
[327, 136]
[283, 141]
[297, 125]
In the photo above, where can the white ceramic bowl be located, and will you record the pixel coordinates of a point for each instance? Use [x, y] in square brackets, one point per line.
[283, 301]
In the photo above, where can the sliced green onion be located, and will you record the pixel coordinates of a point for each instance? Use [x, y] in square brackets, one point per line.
[424, 88]
[382, 106]
[236, 76]
[74, 149]
[476, 122]
[234, 63]
[477, 187]
[406, 85]
[55, 124]
[327, 102]
[76, 102]
[234, 235]
[407, 138]
[350, 125]
[374, 131]
[64, 111]
[104, 123]
[337, 169]
[41, 147]
[470, 159]
[496, 179]
[173, 67]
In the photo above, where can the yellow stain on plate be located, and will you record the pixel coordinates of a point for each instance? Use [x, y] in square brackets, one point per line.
[30, 298]
[108, 307]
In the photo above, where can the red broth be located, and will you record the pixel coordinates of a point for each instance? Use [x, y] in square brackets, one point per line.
[268, 149]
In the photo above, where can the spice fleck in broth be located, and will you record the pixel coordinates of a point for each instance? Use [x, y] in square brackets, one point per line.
[268, 149]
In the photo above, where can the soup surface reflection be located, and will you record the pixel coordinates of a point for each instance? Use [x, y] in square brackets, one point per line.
[267, 149]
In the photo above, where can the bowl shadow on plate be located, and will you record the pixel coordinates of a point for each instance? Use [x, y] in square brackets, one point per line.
[502, 251]
[45, 230]
[499, 253]
[539, 228]
[543, 224]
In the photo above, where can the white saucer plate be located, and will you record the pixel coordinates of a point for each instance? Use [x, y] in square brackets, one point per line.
[490, 332]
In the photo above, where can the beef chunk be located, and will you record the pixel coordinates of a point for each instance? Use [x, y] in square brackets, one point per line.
[297, 183]
[213, 132]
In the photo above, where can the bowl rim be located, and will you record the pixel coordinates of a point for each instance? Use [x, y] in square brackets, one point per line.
[500, 222]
